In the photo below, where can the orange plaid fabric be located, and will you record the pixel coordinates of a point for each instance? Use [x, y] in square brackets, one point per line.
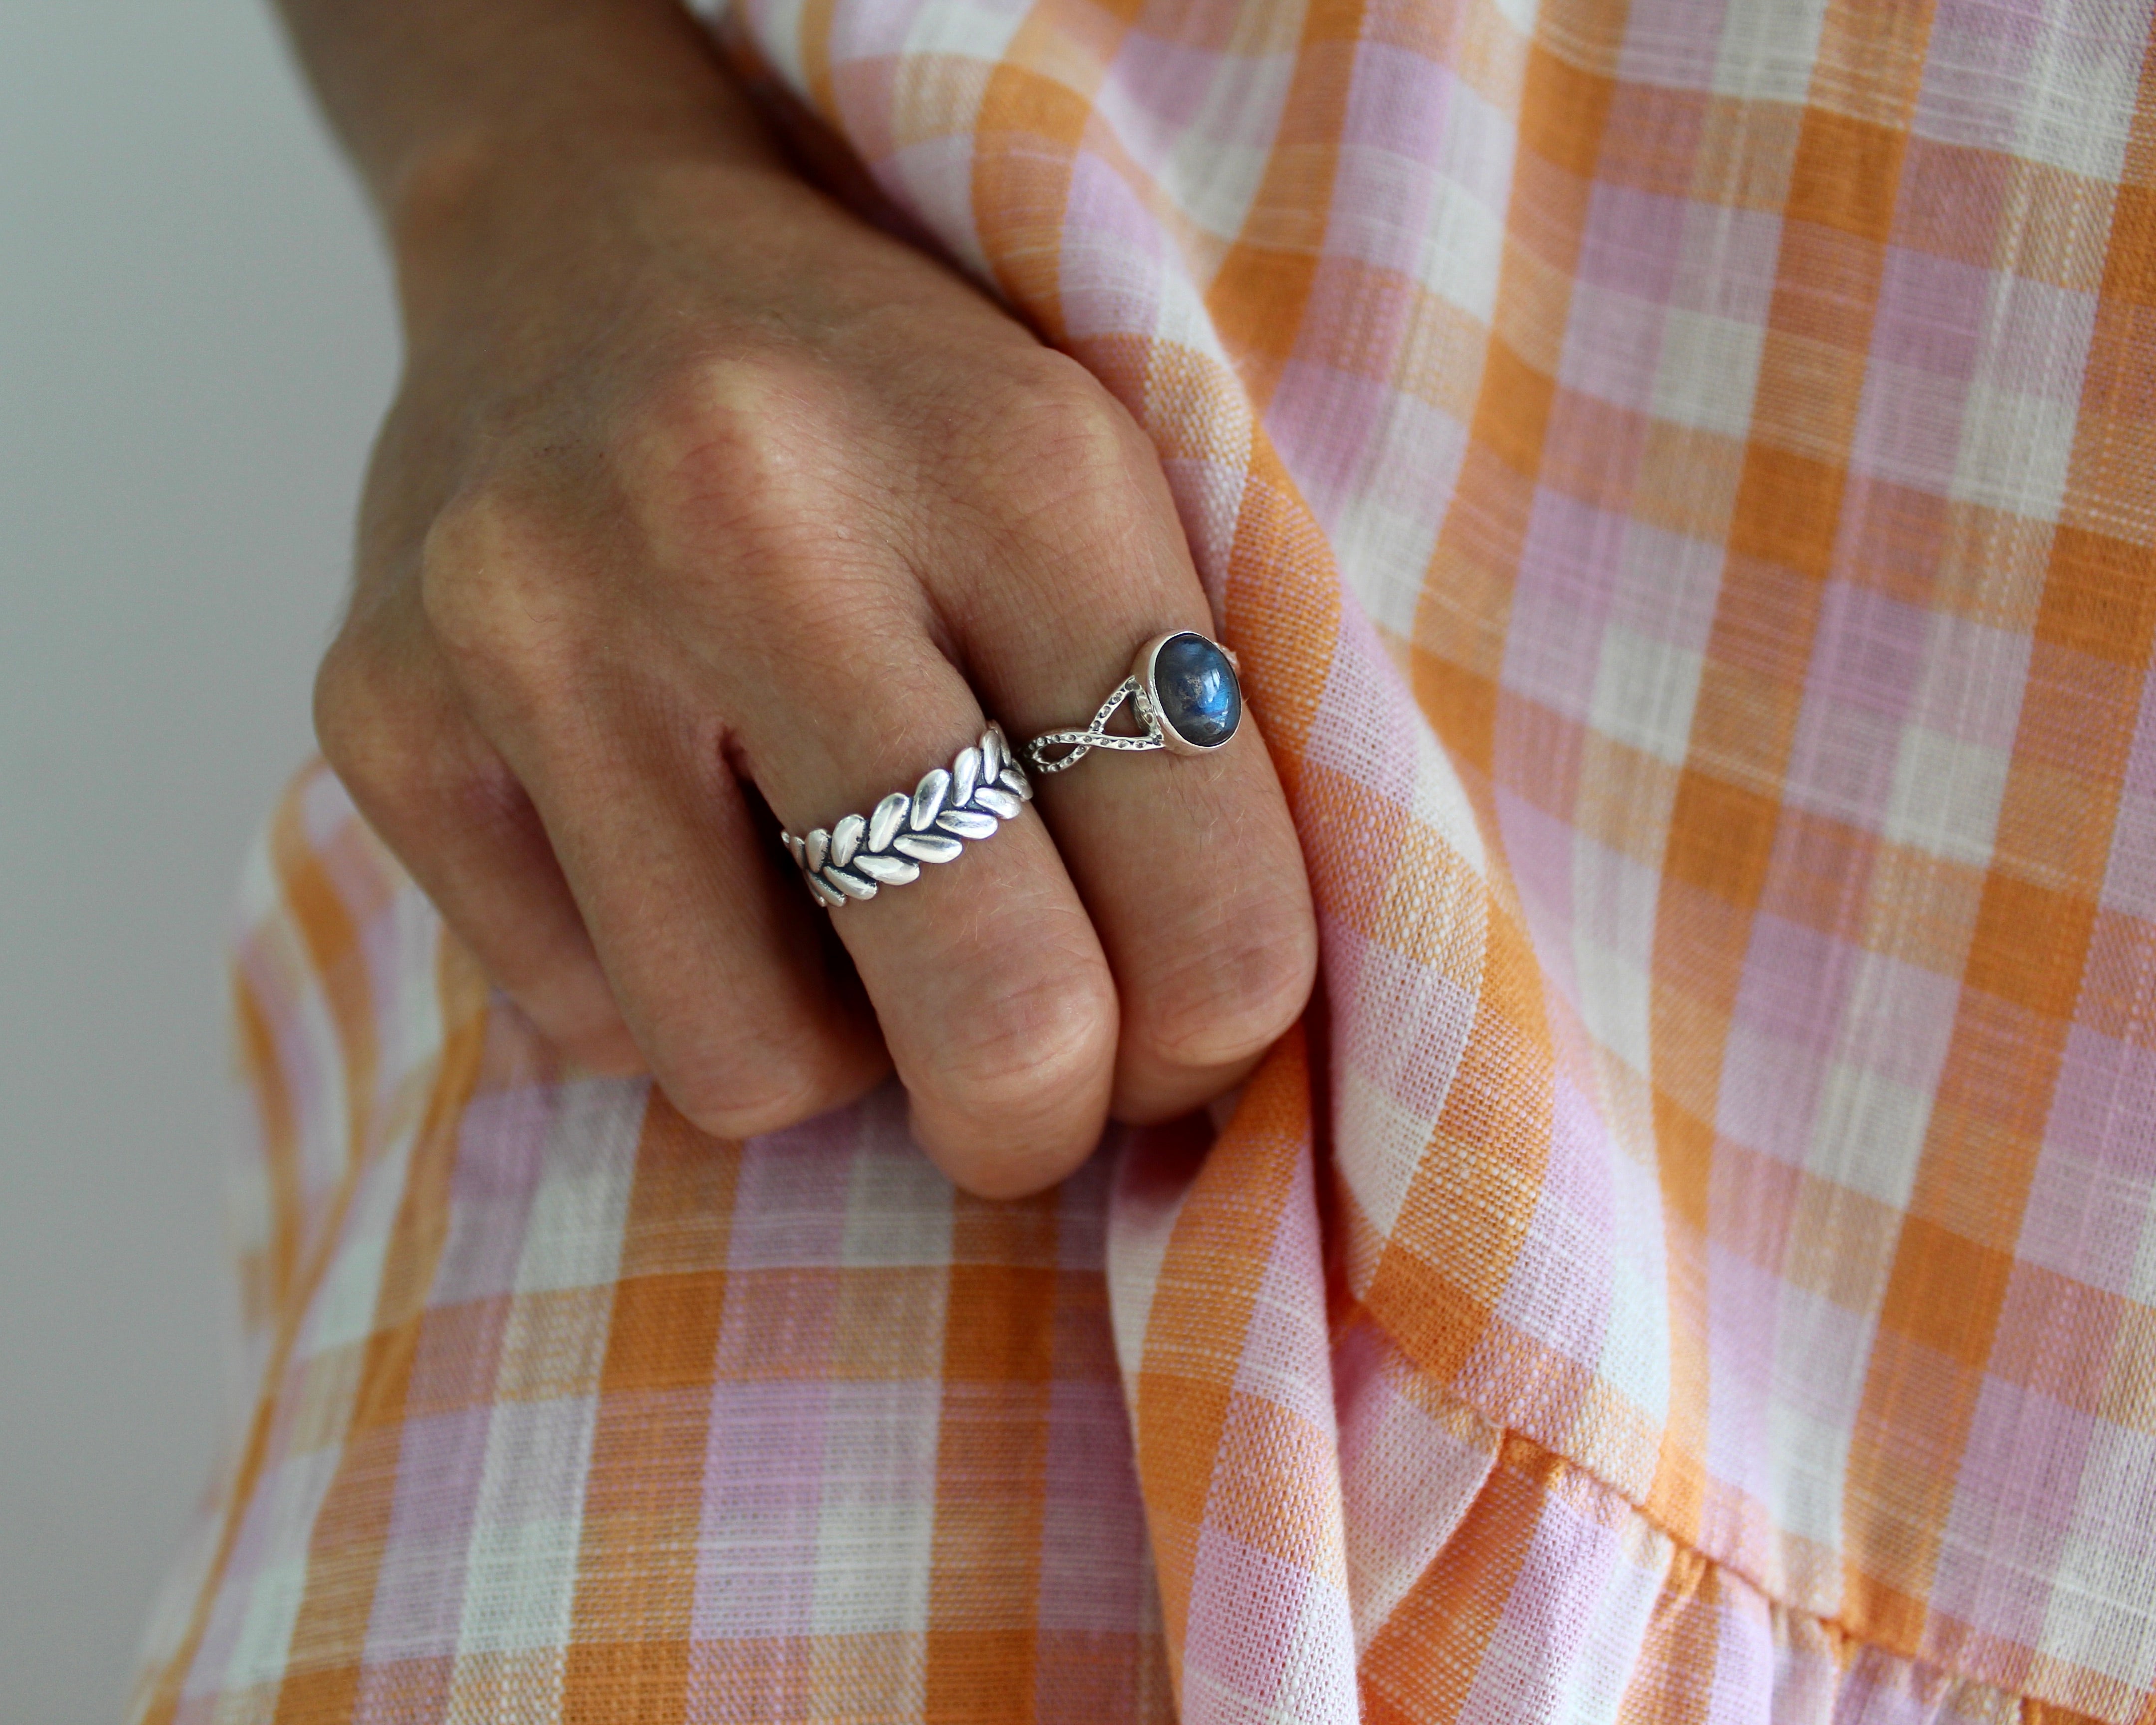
[1677, 475]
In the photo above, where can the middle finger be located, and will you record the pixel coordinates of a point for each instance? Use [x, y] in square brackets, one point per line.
[994, 996]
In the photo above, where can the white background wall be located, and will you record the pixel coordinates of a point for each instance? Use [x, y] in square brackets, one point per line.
[194, 342]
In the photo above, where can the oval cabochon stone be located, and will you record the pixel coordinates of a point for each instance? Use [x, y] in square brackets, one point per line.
[1196, 691]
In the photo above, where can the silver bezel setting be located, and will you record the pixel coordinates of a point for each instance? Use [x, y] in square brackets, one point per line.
[1143, 669]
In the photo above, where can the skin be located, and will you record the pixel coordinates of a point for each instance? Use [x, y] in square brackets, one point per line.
[703, 506]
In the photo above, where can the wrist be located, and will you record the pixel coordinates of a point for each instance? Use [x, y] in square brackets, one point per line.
[501, 191]
[450, 108]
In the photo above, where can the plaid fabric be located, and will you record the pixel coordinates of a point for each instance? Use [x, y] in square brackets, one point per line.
[569, 1413]
[1677, 476]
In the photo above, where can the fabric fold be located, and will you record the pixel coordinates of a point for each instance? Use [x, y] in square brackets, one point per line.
[1675, 474]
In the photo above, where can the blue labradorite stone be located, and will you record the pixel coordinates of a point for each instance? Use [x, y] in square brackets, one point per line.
[1196, 688]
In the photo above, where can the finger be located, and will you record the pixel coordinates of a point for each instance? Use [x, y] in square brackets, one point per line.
[749, 1019]
[442, 799]
[1189, 865]
[993, 994]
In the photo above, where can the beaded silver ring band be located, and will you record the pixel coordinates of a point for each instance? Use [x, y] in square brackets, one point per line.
[859, 855]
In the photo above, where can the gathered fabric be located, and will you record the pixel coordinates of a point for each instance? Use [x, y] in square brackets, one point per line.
[1677, 475]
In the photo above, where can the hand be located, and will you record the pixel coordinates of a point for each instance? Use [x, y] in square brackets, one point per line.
[705, 507]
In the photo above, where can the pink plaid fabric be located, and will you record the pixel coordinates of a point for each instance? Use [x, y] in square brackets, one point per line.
[1677, 476]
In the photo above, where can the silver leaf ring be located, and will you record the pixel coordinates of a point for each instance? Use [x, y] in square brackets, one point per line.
[859, 855]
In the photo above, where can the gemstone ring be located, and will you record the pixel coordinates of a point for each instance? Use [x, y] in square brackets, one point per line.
[1182, 689]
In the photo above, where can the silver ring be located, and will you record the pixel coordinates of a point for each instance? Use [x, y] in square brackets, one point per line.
[859, 855]
[1183, 689]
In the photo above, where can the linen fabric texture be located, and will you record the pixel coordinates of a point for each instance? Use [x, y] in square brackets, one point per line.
[1677, 476]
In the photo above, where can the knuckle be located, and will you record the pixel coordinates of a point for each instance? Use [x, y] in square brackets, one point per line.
[485, 590]
[600, 1046]
[405, 752]
[1067, 441]
[363, 717]
[732, 1098]
[1232, 993]
[570, 1003]
[347, 711]
[1024, 1052]
[742, 443]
